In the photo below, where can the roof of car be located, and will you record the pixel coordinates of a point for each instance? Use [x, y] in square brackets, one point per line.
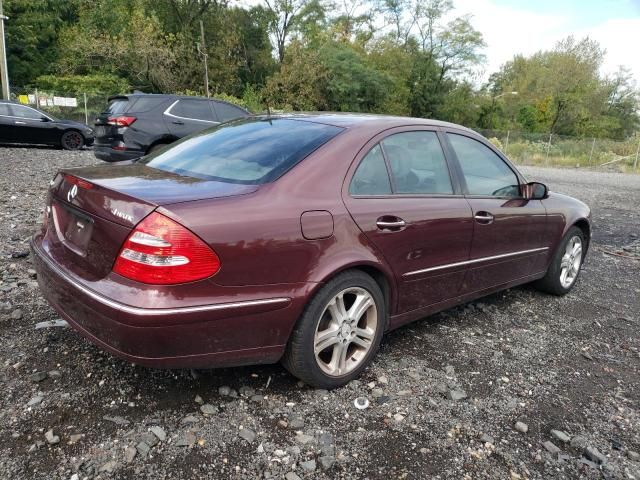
[172, 96]
[374, 121]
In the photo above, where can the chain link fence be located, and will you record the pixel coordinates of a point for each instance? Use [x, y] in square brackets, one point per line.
[79, 106]
[521, 147]
[565, 151]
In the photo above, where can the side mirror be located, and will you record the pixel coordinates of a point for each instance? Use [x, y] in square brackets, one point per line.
[535, 191]
[44, 119]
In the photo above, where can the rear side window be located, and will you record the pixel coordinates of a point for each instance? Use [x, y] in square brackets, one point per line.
[417, 163]
[146, 103]
[116, 106]
[251, 151]
[24, 112]
[193, 109]
[484, 172]
[227, 112]
[371, 177]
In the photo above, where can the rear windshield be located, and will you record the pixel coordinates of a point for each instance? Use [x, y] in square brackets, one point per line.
[118, 105]
[251, 151]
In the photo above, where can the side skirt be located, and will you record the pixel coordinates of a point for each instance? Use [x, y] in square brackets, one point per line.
[404, 318]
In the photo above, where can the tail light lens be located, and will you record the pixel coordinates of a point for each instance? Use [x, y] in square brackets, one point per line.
[161, 251]
[78, 181]
[121, 121]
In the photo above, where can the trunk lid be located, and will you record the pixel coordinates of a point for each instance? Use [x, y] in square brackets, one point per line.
[94, 209]
[105, 132]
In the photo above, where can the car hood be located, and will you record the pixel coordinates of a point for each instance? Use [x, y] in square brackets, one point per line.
[72, 123]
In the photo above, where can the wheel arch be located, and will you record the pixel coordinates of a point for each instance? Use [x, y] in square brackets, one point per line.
[160, 141]
[584, 225]
[381, 275]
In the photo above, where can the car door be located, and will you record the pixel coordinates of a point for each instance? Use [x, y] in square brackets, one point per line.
[508, 230]
[32, 126]
[186, 116]
[6, 123]
[403, 197]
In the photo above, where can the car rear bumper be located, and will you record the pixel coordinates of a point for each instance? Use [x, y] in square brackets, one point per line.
[197, 336]
[109, 154]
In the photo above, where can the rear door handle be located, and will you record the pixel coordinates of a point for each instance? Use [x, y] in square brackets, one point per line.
[178, 122]
[484, 217]
[390, 223]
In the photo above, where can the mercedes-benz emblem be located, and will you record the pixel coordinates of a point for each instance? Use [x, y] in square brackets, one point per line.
[71, 194]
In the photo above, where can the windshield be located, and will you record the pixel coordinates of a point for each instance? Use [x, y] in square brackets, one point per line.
[251, 151]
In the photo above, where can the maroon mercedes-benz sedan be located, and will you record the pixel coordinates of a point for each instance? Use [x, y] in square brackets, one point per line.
[300, 238]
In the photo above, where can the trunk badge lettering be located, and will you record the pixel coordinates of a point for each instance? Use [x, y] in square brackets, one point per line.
[117, 213]
[71, 194]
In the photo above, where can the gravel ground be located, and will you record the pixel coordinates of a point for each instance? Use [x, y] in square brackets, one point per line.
[517, 385]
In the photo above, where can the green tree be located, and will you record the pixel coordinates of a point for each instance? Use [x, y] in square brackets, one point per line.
[32, 33]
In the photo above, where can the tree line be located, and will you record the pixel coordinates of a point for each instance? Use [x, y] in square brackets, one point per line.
[404, 57]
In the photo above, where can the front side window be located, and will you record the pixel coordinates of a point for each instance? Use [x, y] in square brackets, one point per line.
[251, 151]
[24, 112]
[484, 172]
[371, 177]
[4, 109]
[194, 109]
[417, 163]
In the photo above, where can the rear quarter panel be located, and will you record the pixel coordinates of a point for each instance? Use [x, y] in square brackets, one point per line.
[258, 236]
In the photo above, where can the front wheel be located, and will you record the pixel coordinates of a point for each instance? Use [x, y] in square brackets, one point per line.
[565, 266]
[339, 332]
[72, 140]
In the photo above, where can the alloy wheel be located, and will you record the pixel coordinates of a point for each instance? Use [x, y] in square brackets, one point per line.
[72, 140]
[570, 262]
[346, 331]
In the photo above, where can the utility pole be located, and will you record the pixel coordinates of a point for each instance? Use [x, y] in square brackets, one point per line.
[203, 51]
[4, 73]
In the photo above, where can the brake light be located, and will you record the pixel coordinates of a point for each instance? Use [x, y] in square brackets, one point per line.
[78, 181]
[121, 121]
[161, 251]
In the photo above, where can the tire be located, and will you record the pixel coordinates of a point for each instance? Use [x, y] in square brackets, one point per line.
[357, 332]
[566, 257]
[72, 140]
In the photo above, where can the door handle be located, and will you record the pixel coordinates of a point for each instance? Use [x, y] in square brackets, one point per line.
[484, 217]
[178, 122]
[390, 223]
[17, 122]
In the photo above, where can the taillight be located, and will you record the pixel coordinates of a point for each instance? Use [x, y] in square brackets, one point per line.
[78, 181]
[121, 121]
[161, 251]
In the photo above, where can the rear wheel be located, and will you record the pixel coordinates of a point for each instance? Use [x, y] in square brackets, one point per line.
[72, 140]
[565, 266]
[156, 147]
[339, 332]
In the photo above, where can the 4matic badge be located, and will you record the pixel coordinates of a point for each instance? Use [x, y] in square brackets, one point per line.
[125, 216]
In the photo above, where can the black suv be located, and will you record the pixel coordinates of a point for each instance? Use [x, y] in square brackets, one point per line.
[134, 125]
[22, 124]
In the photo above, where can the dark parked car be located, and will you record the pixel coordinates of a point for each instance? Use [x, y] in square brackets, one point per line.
[299, 238]
[138, 124]
[22, 124]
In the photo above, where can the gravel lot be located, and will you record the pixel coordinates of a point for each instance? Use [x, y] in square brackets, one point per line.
[572, 364]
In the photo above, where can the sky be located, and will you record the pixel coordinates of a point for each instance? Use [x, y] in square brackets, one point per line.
[510, 27]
